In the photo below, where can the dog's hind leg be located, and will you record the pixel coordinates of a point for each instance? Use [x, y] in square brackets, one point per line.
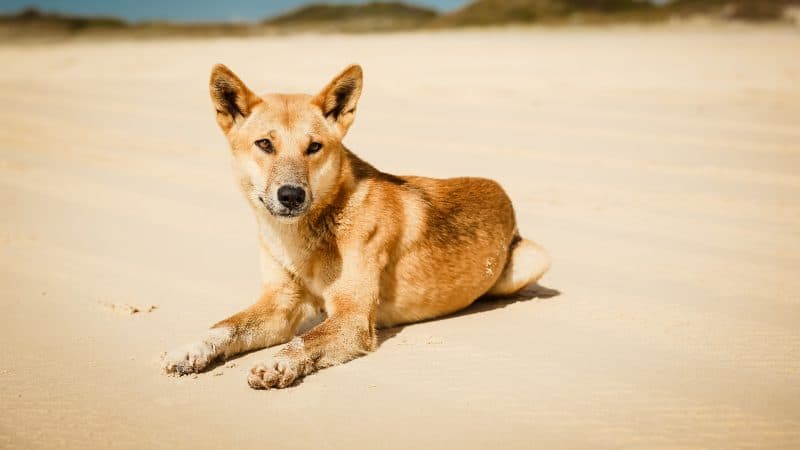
[527, 262]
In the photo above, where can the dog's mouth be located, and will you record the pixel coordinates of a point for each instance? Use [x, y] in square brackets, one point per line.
[288, 214]
[283, 212]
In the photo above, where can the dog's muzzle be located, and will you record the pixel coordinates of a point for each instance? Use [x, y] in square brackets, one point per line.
[290, 200]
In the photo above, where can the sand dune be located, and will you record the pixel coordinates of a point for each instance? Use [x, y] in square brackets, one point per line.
[660, 167]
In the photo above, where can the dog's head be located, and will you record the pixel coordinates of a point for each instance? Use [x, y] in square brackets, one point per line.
[287, 149]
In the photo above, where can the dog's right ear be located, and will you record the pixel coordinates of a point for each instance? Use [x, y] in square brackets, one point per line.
[231, 98]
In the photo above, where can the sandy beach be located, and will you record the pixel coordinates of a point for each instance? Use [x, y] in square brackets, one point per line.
[660, 166]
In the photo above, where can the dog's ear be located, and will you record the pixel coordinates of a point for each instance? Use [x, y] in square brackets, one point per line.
[231, 98]
[339, 98]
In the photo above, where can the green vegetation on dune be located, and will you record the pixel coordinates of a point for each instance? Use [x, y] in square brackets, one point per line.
[372, 16]
[323, 12]
[34, 25]
[491, 12]
[751, 10]
[32, 17]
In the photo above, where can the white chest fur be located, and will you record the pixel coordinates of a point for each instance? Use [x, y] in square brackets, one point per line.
[294, 252]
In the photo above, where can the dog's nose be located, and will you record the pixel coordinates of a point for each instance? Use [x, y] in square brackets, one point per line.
[291, 196]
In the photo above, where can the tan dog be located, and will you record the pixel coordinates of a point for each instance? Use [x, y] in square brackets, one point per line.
[342, 240]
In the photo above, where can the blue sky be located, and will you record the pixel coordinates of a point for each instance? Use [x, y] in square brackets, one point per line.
[186, 10]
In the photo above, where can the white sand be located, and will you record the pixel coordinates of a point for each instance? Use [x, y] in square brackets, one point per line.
[660, 167]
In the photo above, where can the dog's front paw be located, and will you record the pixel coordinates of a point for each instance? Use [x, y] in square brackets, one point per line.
[190, 359]
[281, 372]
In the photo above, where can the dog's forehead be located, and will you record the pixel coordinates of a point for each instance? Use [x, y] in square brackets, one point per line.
[291, 111]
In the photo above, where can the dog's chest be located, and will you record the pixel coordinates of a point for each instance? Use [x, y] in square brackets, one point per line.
[306, 257]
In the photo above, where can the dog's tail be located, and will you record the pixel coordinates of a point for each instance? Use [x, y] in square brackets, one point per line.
[527, 262]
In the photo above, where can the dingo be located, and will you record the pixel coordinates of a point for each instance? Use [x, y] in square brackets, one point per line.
[344, 242]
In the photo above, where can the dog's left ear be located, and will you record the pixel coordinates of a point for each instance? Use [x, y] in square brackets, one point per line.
[339, 98]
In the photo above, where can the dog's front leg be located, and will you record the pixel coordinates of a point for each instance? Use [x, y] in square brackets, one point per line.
[349, 332]
[273, 320]
[339, 339]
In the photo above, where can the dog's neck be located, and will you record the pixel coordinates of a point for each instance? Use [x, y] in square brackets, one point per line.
[293, 244]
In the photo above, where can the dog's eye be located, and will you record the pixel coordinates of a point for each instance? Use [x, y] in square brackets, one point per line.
[265, 144]
[313, 147]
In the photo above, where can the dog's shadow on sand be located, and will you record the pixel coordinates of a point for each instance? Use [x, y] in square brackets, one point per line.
[481, 305]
